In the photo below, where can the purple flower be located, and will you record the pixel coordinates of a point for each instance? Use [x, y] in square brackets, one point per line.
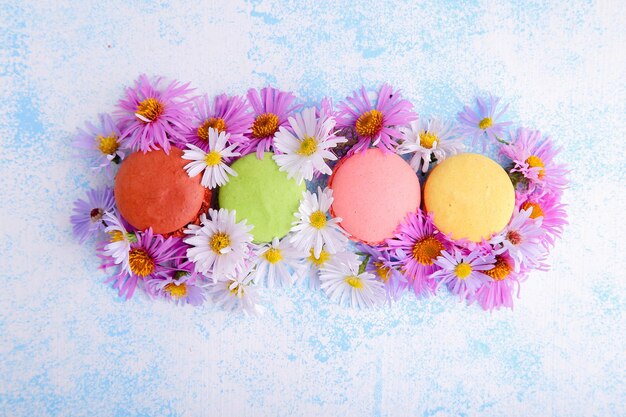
[377, 125]
[416, 244]
[184, 285]
[271, 111]
[483, 123]
[552, 214]
[521, 239]
[463, 272]
[498, 291]
[102, 143]
[379, 264]
[228, 114]
[87, 218]
[150, 257]
[533, 157]
[150, 118]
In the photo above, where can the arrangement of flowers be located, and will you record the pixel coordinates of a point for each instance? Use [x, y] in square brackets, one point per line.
[216, 261]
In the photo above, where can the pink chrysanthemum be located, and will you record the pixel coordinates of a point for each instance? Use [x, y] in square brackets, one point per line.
[151, 118]
[533, 157]
[227, 114]
[521, 239]
[379, 264]
[182, 286]
[552, 213]
[498, 291]
[272, 109]
[378, 125]
[416, 245]
[483, 123]
[101, 143]
[463, 273]
[149, 257]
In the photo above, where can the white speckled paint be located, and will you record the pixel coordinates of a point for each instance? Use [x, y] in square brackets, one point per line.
[70, 347]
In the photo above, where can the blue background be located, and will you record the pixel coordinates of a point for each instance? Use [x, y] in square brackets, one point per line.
[70, 347]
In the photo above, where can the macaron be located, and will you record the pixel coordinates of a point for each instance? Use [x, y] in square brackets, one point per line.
[262, 195]
[153, 190]
[470, 196]
[373, 192]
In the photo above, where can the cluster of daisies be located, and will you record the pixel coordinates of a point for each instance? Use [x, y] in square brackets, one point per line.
[216, 259]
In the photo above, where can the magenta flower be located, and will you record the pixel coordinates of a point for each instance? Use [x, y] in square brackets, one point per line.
[379, 264]
[150, 257]
[416, 245]
[151, 118]
[377, 125]
[271, 108]
[498, 292]
[521, 239]
[533, 157]
[87, 218]
[227, 114]
[462, 272]
[483, 123]
[184, 285]
[552, 214]
[101, 143]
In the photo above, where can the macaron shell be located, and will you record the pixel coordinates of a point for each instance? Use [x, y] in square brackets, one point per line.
[263, 195]
[154, 190]
[470, 196]
[373, 192]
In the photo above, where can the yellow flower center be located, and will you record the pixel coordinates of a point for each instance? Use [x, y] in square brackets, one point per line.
[213, 158]
[219, 241]
[321, 260]
[237, 291]
[486, 123]
[265, 125]
[107, 144]
[500, 270]
[382, 270]
[308, 146]
[149, 109]
[427, 139]
[116, 236]
[537, 211]
[463, 270]
[140, 262]
[354, 282]
[176, 291]
[534, 161]
[317, 219]
[427, 249]
[213, 123]
[273, 255]
[369, 124]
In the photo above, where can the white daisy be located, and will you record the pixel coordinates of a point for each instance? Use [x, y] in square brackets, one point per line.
[344, 283]
[312, 266]
[237, 291]
[313, 229]
[119, 240]
[219, 244]
[212, 163]
[277, 263]
[305, 150]
[429, 140]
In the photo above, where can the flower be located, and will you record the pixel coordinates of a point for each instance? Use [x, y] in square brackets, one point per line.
[312, 265]
[379, 263]
[118, 246]
[236, 291]
[182, 286]
[304, 151]
[377, 125]
[150, 118]
[498, 291]
[148, 258]
[485, 122]
[429, 140]
[552, 214]
[533, 157]
[213, 162]
[102, 143]
[463, 273]
[87, 218]
[313, 229]
[228, 114]
[344, 283]
[219, 244]
[271, 110]
[521, 239]
[417, 244]
[276, 263]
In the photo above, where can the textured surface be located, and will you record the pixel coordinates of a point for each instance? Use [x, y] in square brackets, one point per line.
[70, 347]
